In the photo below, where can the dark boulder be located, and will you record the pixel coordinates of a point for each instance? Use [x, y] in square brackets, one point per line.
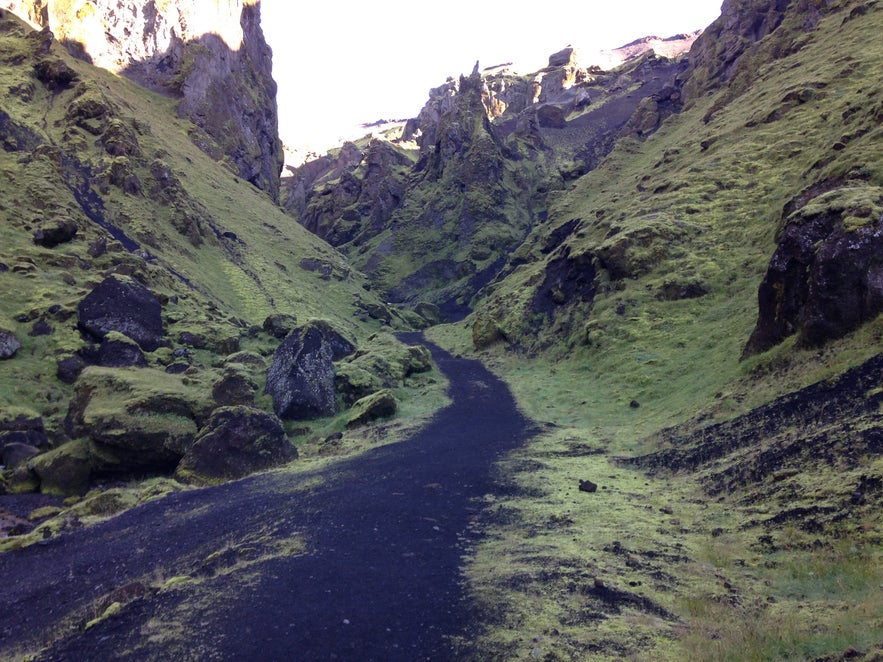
[234, 442]
[587, 486]
[301, 377]
[9, 344]
[825, 278]
[124, 305]
[68, 368]
[53, 235]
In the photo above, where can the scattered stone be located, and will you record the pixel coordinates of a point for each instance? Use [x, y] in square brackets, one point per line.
[9, 344]
[61, 233]
[40, 328]
[23, 429]
[194, 340]
[587, 486]
[371, 408]
[121, 304]
[234, 442]
[668, 510]
[248, 359]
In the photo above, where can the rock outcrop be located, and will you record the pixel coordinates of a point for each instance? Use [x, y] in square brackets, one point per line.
[826, 276]
[493, 146]
[212, 56]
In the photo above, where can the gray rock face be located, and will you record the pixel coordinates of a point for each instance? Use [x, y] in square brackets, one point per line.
[9, 344]
[235, 442]
[123, 305]
[211, 54]
[301, 378]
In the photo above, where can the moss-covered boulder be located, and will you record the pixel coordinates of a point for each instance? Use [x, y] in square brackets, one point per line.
[64, 470]
[234, 442]
[235, 387]
[383, 362]
[486, 331]
[279, 325]
[371, 408]
[136, 420]
[121, 304]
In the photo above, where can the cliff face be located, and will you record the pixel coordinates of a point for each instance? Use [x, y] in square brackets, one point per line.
[438, 223]
[211, 55]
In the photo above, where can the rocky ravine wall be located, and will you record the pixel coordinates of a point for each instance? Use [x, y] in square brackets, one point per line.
[209, 53]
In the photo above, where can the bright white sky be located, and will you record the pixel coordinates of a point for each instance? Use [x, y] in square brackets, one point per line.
[339, 63]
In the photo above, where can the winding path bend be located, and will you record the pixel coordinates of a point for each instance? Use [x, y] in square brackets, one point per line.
[385, 534]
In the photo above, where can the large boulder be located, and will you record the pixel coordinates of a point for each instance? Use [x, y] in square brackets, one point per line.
[826, 276]
[135, 420]
[234, 442]
[301, 377]
[121, 304]
[9, 344]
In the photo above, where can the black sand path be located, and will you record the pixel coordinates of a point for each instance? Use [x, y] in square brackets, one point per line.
[380, 579]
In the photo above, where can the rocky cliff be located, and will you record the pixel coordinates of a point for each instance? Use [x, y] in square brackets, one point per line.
[437, 223]
[210, 56]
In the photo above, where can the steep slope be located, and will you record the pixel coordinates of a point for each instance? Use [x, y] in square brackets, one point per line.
[134, 270]
[209, 56]
[706, 304]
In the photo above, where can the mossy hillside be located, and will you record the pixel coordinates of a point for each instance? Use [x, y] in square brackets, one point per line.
[715, 193]
[721, 182]
[112, 158]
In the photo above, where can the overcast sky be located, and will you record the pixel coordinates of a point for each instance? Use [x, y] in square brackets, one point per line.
[342, 63]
